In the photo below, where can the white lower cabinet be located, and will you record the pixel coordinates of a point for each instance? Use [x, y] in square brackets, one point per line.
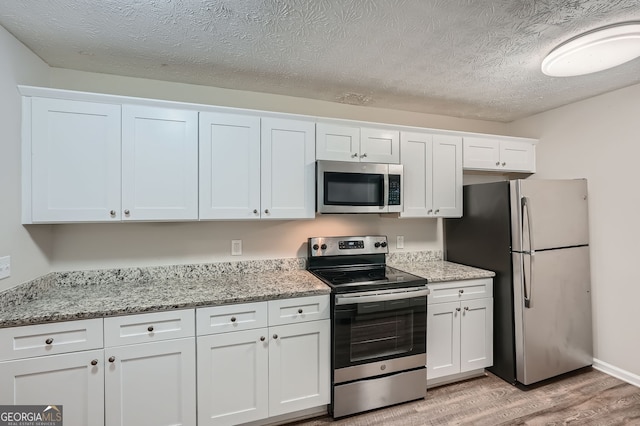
[252, 370]
[151, 384]
[70, 380]
[459, 329]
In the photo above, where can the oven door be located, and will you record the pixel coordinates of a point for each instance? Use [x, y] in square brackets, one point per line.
[377, 333]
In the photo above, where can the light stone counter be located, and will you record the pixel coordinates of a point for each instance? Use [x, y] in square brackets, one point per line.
[95, 294]
[65, 296]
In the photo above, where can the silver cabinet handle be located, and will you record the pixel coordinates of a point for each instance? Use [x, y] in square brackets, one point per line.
[429, 211]
[255, 211]
[457, 309]
[94, 362]
[49, 341]
[466, 308]
[437, 211]
[354, 155]
[112, 213]
[364, 155]
[504, 164]
[262, 338]
[266, 211]
[233, 319]
[300, 310]
[150, 328]
[461, 291]
[112, 359]
[497, 163]
[275, 336]
[127, 212]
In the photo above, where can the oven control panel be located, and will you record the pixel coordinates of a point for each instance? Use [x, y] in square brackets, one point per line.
[344, 246]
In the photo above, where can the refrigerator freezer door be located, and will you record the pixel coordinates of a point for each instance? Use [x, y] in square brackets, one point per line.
[549, 214]
[554, 334]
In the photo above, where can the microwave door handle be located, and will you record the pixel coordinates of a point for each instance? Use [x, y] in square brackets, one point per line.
[385, 199]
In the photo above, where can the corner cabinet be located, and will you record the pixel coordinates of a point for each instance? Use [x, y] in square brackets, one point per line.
[459, 330]
[263, 359]
[504, 155]
[341, 142]
[432, 175]
[256, 168]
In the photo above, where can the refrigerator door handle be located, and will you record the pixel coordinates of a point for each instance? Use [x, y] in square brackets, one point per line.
[525, 202]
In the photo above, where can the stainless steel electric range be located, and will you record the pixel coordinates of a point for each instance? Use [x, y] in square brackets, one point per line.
[379, 316]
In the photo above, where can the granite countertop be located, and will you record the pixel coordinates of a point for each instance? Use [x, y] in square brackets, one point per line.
[65, 296]
[97, 294]
[440, 270]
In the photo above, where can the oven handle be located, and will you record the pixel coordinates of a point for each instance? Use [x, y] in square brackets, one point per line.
[350, 299]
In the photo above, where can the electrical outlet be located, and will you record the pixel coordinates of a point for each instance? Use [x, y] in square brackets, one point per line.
[236, 247]
[400, 241]
[5, 267]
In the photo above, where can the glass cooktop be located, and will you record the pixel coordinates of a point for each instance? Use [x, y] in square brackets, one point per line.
[347, 279]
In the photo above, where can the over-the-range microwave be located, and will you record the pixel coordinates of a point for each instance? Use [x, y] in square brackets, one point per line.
[354, 187]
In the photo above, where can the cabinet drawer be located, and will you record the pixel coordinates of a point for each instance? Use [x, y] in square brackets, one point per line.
[48, 339]
[222, 319]
[454, 291]
[301, 309]
[131, 329]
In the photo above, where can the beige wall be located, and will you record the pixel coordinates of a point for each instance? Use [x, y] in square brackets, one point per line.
[599, 139]
[29, 247]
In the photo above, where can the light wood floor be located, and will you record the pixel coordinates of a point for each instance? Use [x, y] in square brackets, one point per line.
[586, 398]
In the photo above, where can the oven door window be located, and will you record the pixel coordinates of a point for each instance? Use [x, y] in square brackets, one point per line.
[378, 331]
[353, 189]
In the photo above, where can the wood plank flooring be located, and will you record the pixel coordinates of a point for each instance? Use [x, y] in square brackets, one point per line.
[589, 397]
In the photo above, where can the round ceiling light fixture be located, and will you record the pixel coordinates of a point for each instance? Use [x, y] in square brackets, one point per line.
[594, 51]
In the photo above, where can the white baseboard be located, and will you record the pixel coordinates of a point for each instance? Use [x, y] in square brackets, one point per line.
[616, 372]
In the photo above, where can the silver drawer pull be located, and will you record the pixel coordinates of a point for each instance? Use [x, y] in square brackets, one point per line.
[150, 328]
[233, 319]
[275, 336]
[94, 362]
[49, 341]
[300, 310]
[112, 359]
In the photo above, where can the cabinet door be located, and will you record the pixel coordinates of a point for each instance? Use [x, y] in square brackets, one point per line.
[447, 176]
[481, 153]
[159, 163]
[74, 160]
[69, 380]
[299, 368]
[443, 339]
[151, 384]
[379, 145]
[288, 154]
[229, 166]
[476, 334]
[337, 143]
[417, 156]
[233, 378]
[517, 156]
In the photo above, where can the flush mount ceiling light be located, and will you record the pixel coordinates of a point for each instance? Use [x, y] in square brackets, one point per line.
[594, 51]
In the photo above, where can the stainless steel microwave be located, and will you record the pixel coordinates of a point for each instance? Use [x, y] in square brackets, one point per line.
[345, 187]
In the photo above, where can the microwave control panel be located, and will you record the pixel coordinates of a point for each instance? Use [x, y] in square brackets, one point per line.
[394, 190]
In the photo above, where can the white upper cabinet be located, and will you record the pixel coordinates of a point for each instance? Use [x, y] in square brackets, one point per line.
[486, 153]
[229, 166]
[72, 159]
[432, 175]
[256, 168]
[287, 169]
[357, 144]
[159, 163]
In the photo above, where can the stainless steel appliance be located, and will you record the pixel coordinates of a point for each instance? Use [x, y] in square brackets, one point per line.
[534, 235]
[345, 187]
[379, 318]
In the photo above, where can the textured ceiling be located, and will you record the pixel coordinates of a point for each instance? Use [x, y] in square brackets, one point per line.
[465, 58]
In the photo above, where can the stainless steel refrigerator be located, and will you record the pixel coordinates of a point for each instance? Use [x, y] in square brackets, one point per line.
[534, 235]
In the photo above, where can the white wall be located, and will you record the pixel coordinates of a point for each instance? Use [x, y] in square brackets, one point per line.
[120, 245]
[29, 248]
[599, 139]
